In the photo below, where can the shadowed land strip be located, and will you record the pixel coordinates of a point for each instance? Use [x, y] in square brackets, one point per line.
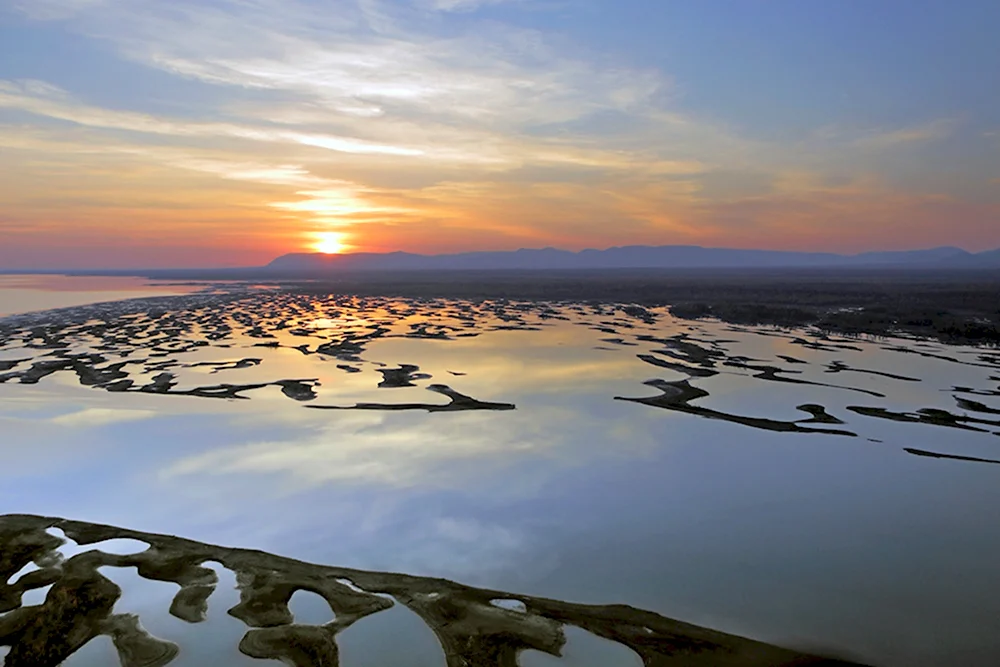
[472, 630]
[404, 376]
[954, 457]
[773, 374]
[7, 364]
[840, 367]
[933, 416]
[975, 406]
[456, 403]
[677, 396]
[691, 371]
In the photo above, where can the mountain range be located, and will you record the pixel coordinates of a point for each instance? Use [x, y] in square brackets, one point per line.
[631, 257]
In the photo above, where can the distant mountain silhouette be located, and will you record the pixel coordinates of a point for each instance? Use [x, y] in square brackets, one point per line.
[630, 257]
[986, 260]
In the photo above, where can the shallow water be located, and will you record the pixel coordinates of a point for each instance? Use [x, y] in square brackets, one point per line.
[25, 293]
[728, 511]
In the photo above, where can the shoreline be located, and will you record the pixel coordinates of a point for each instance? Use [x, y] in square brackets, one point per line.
[953, 307]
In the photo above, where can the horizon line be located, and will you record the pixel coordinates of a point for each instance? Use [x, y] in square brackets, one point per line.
[332, 256]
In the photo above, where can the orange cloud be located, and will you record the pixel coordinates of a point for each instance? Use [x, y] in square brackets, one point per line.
[399, 138]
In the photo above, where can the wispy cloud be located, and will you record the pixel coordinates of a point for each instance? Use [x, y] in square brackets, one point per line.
[44, 100]
[364, 448]
[926, 132]
[437, 131]
[331, 58]
[461, 5]
[101, 417]
[54, 10]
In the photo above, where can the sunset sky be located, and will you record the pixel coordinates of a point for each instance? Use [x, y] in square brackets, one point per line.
[227, 132]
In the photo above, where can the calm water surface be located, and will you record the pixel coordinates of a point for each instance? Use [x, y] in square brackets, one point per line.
[20, 293]
[848, 544]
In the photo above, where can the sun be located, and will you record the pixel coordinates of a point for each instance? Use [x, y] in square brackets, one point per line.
[330, 243]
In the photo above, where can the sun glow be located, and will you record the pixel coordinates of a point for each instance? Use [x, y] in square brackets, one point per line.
[330, 243]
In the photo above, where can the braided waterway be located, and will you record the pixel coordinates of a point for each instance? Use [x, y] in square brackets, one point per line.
[830, 495]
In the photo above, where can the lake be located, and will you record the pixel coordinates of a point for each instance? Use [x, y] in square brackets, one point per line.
[820, 493]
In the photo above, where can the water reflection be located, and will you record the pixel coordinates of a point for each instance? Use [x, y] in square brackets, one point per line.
[869, 544]
[20, 293]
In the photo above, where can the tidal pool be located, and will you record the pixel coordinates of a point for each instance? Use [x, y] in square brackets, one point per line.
[831, 495]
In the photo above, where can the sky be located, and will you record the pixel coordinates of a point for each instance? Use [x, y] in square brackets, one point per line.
[228, 132]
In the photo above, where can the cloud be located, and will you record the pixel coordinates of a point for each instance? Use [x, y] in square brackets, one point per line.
[461, 5]
[363, 449]
[56, 10]
[413, 451]
[91, 417]
[458, 107]
[45, 100]
[330, 58]
[935, 130]
[802, 208]
[435, 131]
